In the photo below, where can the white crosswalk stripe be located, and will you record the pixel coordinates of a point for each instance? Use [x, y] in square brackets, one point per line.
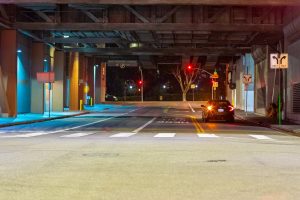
[122, 135]
[165, 135]
[204, 135]
[261, 137]
[75, 135]
[26, 135]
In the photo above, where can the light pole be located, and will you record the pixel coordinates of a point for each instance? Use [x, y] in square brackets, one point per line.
[212, 87]
[142, 84]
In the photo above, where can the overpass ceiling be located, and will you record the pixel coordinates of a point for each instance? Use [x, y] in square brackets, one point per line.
[136, 28]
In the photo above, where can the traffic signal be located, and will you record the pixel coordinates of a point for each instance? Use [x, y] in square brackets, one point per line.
[140, 82]
[189, 67]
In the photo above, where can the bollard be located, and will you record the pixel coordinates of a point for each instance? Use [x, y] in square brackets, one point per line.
[91, 101]
[80, 105]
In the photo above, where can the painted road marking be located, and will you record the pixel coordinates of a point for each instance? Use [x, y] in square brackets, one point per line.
[261, 137]
[165, 135]
[62, 130]
[204, 135]
[142, 127]
[197, 125]
[122, 135]
[75, 135]
[191, 108]
[26, 135]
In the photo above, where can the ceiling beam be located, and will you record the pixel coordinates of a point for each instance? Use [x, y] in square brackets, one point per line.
[135, 13]
[168, 14]
[43, 16]
[164, 2]
[218, 14]
[84, 40]
[161, 51]
[148, 27]
[91, 16]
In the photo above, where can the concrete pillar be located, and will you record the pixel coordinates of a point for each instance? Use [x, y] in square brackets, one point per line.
[58, 86]
[8, 72]
[82, 77]
[37, 89]
[90, 77]
[74, 80]
[102, 82]
[97, 84]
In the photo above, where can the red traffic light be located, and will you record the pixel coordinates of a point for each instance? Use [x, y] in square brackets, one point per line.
[140, 82]
[189, 67]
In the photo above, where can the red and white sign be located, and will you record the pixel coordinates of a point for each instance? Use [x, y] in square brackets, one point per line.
[45, 77]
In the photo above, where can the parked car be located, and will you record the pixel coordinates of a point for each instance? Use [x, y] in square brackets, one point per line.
[218, 110]
[109, 97]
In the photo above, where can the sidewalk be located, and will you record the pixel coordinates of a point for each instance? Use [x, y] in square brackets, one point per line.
[32, 118]
[286, 126]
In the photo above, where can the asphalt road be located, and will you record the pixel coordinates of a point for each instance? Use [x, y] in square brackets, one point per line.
[148, 153]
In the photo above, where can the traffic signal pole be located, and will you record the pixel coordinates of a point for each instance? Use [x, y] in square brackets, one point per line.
[142, 85]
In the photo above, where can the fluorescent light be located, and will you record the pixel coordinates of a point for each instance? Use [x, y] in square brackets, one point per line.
[66, 36]
[45, 60]
[19, 51]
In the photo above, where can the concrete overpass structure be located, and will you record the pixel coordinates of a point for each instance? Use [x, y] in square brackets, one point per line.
[72, 37]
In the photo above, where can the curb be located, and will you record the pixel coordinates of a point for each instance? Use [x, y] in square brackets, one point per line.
[292, 132]
[41, 120]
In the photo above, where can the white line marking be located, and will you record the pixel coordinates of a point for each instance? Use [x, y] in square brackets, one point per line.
[26, 135]
[75, 135]
[67, 129]
[191, 107]
[202, 135]
[142, 127]
[165, 135]
[121, 135]
[261, 137]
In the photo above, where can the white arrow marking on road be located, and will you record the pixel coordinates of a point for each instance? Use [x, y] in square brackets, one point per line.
[202, 135]
[121, 135]
[142, 127]
[261, 137]
[77, 135]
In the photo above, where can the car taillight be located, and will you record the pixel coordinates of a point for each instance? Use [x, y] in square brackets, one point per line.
[209, 108]
[231, 108]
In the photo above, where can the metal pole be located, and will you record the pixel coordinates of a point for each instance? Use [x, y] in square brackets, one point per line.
[125, 88]
[142, 86]
[279, 100]
[193, 94]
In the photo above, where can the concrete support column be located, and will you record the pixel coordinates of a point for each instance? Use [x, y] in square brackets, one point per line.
[102, 82]
[74, 80]
[91, 78]
[37, 65]
[8, 72]
[82, 78]
[58, 86]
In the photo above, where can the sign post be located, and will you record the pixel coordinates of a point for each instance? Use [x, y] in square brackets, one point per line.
[279, 61]
[247, 79]
[46, 77]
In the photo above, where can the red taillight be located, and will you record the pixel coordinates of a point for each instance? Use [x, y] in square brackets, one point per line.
[209, 108]
[231, 108]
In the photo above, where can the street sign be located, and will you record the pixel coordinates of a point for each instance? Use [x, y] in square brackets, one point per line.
[215, 84]
[247, 79]
[279, 61]
[215, 75]
[45, 77]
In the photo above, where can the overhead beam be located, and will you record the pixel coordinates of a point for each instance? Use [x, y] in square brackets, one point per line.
[148, 27]
[91, 16]
[164, 2]
[218, 14]
[138, 15]
[43, 16]
[84, 40]
[168, 14]
[161, 51]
